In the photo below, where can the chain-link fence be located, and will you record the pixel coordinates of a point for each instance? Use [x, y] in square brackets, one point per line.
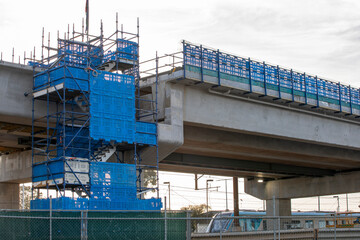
[94, 225]
[171, 225]
[225, 226]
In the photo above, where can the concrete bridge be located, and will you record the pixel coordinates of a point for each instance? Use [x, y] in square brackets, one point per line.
[298, 150]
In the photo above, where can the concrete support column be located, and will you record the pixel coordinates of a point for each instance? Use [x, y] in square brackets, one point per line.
[9, 196]
[278, 207]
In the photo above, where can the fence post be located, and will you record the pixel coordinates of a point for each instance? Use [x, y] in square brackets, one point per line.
[274, 219]
[165, 221]
[83, 222]
[335, 226]
[279, 227]
[50, 219]
[188, 225]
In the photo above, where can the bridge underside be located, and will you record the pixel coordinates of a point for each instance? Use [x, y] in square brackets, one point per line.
[214, 151]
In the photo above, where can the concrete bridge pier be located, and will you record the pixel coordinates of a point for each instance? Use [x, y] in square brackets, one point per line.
[278, 207]
[9, 196]
[278, 193]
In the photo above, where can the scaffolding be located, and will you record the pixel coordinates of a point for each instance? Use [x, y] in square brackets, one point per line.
[91, 88]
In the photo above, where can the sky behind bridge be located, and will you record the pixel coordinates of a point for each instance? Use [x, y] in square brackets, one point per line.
[317, 37]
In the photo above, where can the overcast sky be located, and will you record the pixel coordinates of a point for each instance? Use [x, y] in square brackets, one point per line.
[319, 37]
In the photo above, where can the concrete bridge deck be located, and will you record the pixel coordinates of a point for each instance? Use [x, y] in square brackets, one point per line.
[212, 129]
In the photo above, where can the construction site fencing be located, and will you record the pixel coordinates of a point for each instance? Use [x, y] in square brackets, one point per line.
[93, 225]
[169, 225]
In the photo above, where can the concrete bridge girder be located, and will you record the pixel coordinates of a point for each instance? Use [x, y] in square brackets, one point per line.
[223, 135]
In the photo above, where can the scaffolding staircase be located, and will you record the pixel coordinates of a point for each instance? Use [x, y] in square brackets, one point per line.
[103, 153]
[82, 103]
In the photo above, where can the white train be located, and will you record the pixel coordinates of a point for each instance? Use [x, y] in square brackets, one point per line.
[258, 221]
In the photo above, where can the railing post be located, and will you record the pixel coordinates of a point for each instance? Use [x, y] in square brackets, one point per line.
[317, 92]
[188, 225]
[218, 66]
[265, 85]
[250, 81]
[305, 84]
[350, 100]
[184, 58]
[201, 64]
[292, 86]
[340, 107]
[278, 78]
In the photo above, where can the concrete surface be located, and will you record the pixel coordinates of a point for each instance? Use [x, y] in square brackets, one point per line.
[9, 196]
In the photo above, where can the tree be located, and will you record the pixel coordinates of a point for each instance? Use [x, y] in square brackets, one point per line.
[196, 211]
[27, 197]
[26, 193]
[150, 178]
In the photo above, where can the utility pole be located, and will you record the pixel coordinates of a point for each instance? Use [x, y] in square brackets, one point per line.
[169, 192]
[196, 182]
[207, 194]
[347, 203]
[236, 199]
[319, 203]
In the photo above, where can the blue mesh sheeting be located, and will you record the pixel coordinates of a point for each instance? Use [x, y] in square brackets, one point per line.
[223, 63]
[72, 77]
[112, 107]
[79, 53]
[146, 133]
[103, 174]
[76, 140]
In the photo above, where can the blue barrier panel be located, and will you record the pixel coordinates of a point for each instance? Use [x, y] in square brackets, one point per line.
[112, 107]
[76, 139]
[56, 168]
[144, 138]
[61, 203]
[72, 78]
[146, 133]
[126, 49]
[79, 53]
[105, 174]
[66, 203]
[113, 193]
[218, 64]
